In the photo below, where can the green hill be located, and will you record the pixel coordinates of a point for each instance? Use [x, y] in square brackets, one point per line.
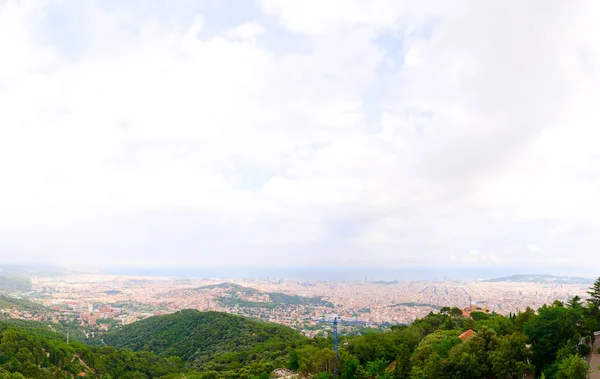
[45, 329]
[276, 299]
[28, 350]
[210, 340]
[7, 302]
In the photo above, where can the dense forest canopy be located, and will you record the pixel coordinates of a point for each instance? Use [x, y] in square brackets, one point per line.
[210, 340]
[548, 343]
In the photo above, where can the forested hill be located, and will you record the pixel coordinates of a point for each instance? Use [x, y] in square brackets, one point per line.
[210, 340]
[11, 303]
[275, 299]
[29, 350]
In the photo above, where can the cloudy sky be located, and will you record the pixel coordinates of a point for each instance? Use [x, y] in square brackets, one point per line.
[385, 133]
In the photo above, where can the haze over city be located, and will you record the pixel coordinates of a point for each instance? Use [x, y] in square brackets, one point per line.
[273, 134]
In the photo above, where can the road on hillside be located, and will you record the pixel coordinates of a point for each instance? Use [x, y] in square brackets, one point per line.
[595, 359]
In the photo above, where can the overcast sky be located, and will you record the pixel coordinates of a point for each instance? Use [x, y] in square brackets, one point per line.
[205, 133]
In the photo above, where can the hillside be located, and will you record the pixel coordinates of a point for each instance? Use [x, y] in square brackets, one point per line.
[11, 303]
[236, 294]
[46, 329]
[28, 350]
[14, 284]
[209, 340]
[543, 279]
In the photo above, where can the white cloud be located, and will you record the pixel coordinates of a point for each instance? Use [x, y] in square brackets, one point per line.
[479, 132]
[248, 31]
[533, 248]
[322, 18]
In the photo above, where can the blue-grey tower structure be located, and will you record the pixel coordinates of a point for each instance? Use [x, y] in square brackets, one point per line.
[335, 346]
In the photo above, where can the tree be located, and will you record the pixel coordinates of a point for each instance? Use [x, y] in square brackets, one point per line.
[428, 358]
[575, 302]
[594, 293]
[350, 368]
[523, 317]
[572, 367]
[455, 312]
[502, 325]
[403, 365]
[467, 360]
[552, 329]
[448, 324]
[511, 357]
[376, 367]
[471, 359]
[294, 363]
[15, 375]
[479, 316]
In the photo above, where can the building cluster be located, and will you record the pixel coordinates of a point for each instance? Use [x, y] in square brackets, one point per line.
[99, 302]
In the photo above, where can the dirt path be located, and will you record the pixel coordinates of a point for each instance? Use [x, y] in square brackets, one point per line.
[595, 360]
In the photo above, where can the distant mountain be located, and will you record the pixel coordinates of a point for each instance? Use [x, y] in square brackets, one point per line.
[11, 303]
[209, 340]
[543, 279]
[14, 284]
[275, 299]
[31, 270]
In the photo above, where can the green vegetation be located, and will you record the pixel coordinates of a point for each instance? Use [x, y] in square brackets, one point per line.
[27, 352]
[208, 345]
[412, 304]
[281, 298]
[229, 286]
[45, 330]
[211, 341]
[12, 303]
[276, 299]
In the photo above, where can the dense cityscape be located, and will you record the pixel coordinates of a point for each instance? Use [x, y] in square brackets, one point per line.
[98, 302]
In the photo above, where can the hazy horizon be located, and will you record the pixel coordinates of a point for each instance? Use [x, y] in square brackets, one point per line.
[341, 273]
[275, 133]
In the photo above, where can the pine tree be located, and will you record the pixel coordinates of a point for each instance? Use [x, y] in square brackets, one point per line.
[575, 302]
[594, 293]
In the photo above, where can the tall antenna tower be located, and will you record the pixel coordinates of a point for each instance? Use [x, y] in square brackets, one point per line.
[335, 346]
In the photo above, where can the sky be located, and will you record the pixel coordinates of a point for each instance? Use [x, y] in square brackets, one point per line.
[277, 133]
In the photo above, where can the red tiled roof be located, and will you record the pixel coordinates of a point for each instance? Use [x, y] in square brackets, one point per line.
[468, 334]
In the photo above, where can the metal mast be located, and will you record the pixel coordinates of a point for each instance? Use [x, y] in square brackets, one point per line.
[335, 346]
